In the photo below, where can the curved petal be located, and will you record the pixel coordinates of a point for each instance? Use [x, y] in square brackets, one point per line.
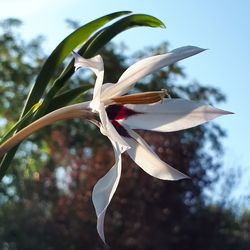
[147, 66]
[108, 129]
[143, 156]
[95, 63]
[171, 115]
[97, 66]
[104, 190]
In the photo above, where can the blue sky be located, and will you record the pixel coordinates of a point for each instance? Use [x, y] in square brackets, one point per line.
[221, 26]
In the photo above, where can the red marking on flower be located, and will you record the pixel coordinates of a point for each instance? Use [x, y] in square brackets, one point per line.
[120, 129]
[119, 112]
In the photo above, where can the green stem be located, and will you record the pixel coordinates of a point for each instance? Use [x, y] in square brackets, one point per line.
[70, 112]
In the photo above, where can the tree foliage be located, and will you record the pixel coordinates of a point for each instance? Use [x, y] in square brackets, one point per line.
[46, 197]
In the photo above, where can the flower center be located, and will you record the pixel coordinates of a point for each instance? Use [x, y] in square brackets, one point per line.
[119, 112]
[116, 110]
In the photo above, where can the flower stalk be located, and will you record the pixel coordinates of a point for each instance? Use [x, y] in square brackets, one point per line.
[70, 112]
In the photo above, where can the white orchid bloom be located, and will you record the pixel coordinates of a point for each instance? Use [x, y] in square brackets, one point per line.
[149, 111]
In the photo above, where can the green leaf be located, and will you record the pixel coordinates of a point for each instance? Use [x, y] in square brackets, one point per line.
[61, 52]
[21, 123]
[108, 33]
[66, 97]
[6, 160]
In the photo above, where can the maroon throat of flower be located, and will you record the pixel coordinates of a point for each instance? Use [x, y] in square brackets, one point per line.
[117, 111]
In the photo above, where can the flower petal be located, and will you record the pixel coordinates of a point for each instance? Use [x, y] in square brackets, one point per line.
[104, 190]
[147, 66]
[97, 66]
[171, 115]
[108, 129]
[95, 63]
[143, 156]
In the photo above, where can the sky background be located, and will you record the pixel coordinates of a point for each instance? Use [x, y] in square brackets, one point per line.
[221, 26]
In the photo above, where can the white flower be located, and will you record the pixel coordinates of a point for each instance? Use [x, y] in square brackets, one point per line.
[119, 115]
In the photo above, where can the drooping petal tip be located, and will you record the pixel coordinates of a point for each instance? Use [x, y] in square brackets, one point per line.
[104, 190]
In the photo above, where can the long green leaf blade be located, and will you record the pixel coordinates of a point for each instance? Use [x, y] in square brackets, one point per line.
[108, 33]
[62, 51]
[67, 97]
[21, 123]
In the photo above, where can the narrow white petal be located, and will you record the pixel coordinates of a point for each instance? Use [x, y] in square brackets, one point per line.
[96, 65]
[147, 66]
[144, 157]
[95, 103]
[104, 190]
[171, 115]
[106, 87]
[108, 129]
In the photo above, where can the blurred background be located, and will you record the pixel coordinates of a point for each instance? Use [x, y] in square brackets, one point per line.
[45, 199]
